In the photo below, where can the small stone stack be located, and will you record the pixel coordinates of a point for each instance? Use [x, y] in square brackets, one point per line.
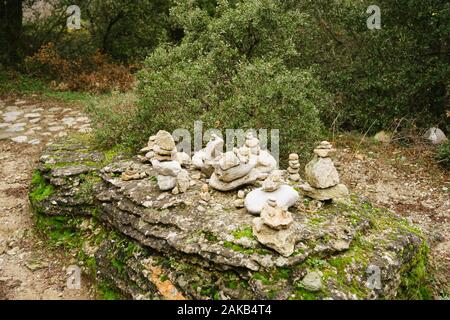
[230, 172]
[322, 177]
[164, 146]
[252, 143]
[273, 229]
[239, 202]
[170, 174]
[324, 149]
[204, 193]
[274, 216]
[294, 167]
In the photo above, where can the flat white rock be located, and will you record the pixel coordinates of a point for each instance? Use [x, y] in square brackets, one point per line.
[166, 183]
[286, 197]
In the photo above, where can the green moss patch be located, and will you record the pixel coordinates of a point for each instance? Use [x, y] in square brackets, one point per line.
[41, 189]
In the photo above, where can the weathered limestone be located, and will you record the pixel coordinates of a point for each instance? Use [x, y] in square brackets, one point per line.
[435, 136]
[284, 195]
[312, 281]
[204, 194]
[132, 174]
[324, 149]
[322, 177]
[339, 191]
[321, 173]
[194, 245]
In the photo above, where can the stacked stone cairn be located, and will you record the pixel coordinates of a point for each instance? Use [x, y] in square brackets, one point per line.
[242, 166]
[273, 228]
[231, 172]
[204, 158]
[170, 174]
[153, 151]
[322, 177]
[294, 167]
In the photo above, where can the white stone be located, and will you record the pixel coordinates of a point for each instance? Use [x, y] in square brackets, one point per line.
[69, 121]
[82, 119]
[276, 217]
[435, 136]
[217, 184]
[166, 183]
[321, 173]
[266, 163]
[55, 128]
[234, 173]
[32, 115]
[272, 182]
[20, 139]
[167, 168]
[54, 109]
[228, 160]
[212, 150]
[285, 197]
[324, 153]
[183, 158]
[16, 127]
[312, 281]
[34, 141]
[11, 116]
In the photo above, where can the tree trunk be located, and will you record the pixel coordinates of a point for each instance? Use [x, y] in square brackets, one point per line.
[10, 30]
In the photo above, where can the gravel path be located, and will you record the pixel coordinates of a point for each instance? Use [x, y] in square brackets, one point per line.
[29, 269]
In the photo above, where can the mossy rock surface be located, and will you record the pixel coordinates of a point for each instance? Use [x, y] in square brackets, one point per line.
[148, 244]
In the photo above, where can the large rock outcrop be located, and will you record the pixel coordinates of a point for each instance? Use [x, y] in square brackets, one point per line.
[153, 244]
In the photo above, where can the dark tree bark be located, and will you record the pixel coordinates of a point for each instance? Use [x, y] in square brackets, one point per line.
[10, 30]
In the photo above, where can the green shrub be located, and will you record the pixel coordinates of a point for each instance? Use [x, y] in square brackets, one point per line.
[378, 76]
[112, 118]
[231, 70]
[443, 155]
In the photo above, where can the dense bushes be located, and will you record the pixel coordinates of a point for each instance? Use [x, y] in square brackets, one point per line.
[377, 76]
[267, 63]
[231, 71]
